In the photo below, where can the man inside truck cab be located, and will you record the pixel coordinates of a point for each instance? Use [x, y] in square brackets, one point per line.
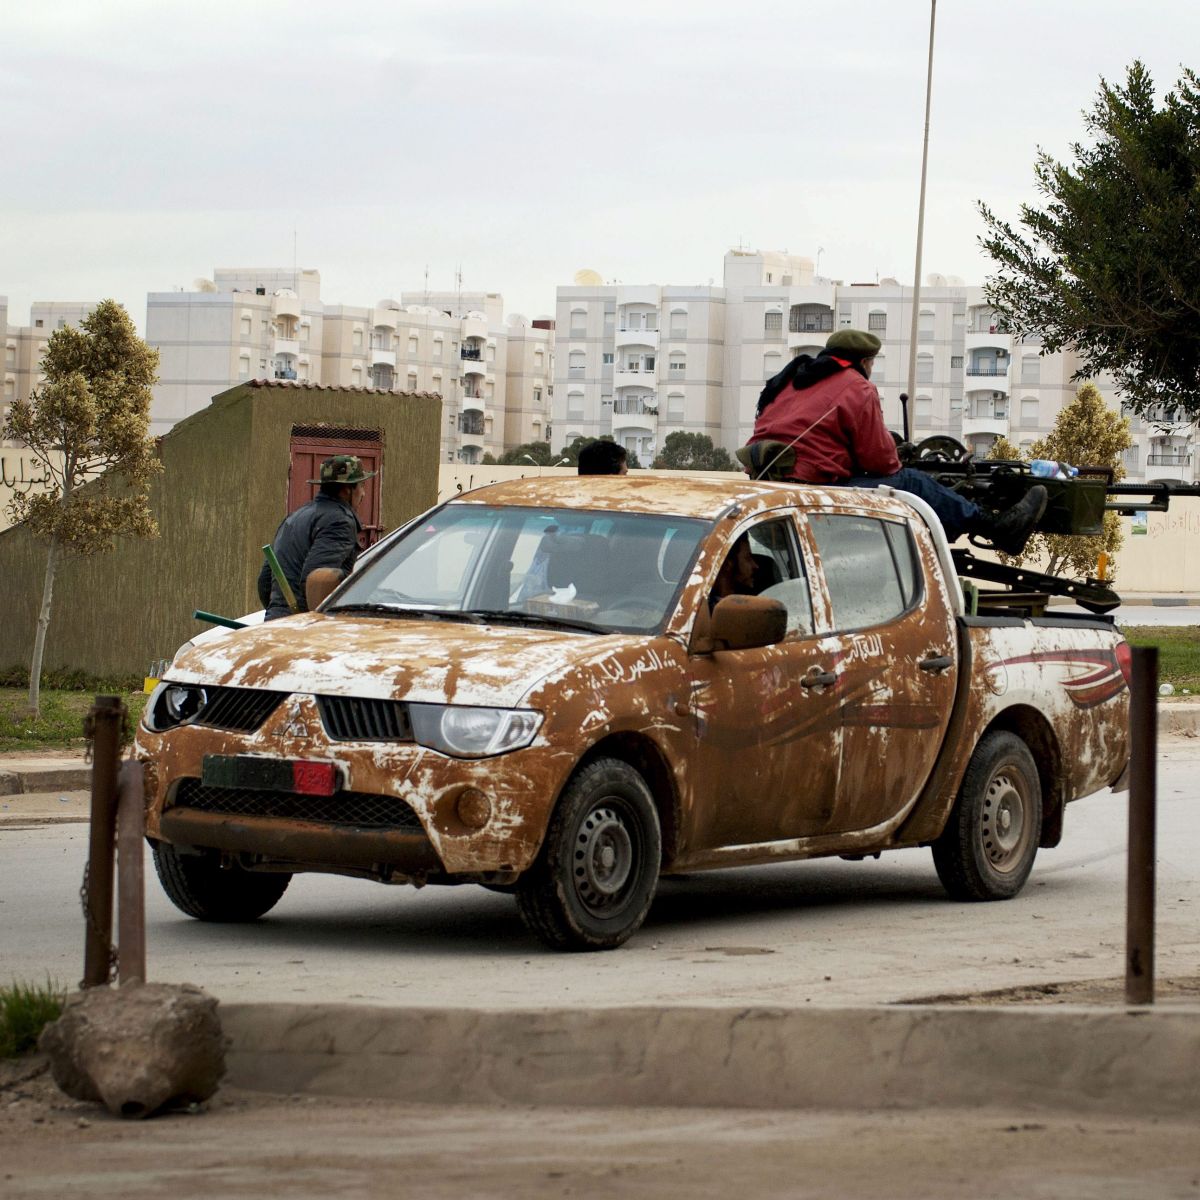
[825, 411]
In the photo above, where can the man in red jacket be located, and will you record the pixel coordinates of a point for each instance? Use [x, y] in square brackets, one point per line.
[827, 410]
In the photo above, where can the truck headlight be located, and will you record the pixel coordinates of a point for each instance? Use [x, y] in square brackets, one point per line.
[172, 704]
[467, 731]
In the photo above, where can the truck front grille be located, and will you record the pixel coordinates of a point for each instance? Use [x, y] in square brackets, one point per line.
[240, 709]
[360, 809]
[353, 719]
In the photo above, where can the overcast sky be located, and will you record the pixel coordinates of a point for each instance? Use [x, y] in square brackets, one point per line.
[146, 142]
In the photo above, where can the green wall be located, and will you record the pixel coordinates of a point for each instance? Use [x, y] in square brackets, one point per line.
[222, 493]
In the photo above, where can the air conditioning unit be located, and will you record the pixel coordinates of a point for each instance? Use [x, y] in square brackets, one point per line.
[1001, 353]
[997, 395]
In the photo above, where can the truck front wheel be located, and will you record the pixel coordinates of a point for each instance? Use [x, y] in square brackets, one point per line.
[197, 885]
[988, 846]
[591, 885]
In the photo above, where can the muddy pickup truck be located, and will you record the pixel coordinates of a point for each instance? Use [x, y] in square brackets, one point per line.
[563, 689]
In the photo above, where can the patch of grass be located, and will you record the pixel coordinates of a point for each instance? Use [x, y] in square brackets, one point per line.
[25, 1009]
[1178, 652]
[60, 726]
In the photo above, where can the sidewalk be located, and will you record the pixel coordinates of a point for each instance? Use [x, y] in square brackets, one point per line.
[49, 771]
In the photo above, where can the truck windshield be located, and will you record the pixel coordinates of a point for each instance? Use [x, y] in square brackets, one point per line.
[593, 571]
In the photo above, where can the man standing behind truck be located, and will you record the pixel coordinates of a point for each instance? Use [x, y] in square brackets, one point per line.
[322, 533]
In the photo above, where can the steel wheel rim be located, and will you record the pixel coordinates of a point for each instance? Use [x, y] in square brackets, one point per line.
[603, 858]
[1005, 828]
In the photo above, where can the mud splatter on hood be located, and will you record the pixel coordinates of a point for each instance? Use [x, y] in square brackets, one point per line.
[430, 661]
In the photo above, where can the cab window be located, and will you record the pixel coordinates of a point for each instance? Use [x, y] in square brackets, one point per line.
[772, 569]
[870, 568]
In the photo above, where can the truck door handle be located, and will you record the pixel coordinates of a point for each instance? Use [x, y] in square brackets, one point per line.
[941, 663]
[818, 678]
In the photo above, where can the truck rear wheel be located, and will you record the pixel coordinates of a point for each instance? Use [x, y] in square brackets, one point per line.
[595, 876]
[198, 886]
[988, 846]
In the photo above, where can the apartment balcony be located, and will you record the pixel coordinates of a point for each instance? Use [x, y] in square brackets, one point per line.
[643, 422]
[624, 376]
[636, 337]
[285, 345]
[987, 339]
[988, 425]
[385, 318]
[986, 383]
[1175, 467]
[472, 402]
[285, 306]
[474, 327]
[382, 358]
[470, 424]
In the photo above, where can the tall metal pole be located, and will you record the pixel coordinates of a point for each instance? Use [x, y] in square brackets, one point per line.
[916, 308]
[1139, 898]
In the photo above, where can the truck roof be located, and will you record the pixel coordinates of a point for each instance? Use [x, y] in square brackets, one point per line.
[681, 495]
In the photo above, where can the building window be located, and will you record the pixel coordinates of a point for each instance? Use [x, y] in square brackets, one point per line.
[576, 364]
[579, 321]
[413, 347]
[677, 364]
[539, 360]
[877, 322]
[491, 354]
[923, 412]
[879, 370]
[10, 356]
[412, 381]
[246, 327]
[773, 322]
[772, 363]
[537, 395]
[925, 326]
[1031, 369]
[437, 383]
[679, 321]
[956, 361]
[38, 323]
[575, 406]
[674, 406]
[606, 360]
[356, 377]
[244, 366]
[439, 346]
[844, 318]
[357, 339]
[924, 368]
[1029, 411]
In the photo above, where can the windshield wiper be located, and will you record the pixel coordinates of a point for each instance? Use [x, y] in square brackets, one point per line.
[398, 610]
[527, 618]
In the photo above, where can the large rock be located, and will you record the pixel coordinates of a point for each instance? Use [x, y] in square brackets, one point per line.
[137, 1049]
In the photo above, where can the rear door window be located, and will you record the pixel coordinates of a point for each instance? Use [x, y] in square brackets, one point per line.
[869, 566]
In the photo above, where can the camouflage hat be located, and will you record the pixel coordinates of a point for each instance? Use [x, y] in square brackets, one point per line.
[343, 468]
[853, 343]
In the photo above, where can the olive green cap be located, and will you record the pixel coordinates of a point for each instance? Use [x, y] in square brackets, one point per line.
[343, 468]
[854, 343]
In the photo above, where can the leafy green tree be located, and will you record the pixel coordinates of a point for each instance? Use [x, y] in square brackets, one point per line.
[539, 452]
[88, 423]
[693, 452]
[1110, 267]
[1086, 433]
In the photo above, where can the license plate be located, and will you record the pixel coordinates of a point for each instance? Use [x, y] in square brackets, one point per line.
[252, 773]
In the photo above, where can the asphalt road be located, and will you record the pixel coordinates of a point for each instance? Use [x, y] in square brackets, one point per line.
[824, 932]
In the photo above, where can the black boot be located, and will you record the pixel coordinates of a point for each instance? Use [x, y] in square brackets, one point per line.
[1009, 532]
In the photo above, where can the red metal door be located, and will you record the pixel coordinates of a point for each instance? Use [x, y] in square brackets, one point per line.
[312, 444]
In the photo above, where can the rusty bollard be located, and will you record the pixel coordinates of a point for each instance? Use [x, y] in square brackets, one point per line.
[1140, 878]
[103, 727]
[131, 886]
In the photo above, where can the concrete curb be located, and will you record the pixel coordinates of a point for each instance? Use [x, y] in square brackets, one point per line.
[45, 779]
[1117, 1061]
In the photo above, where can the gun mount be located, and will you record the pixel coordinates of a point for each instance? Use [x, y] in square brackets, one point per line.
[1076, 508]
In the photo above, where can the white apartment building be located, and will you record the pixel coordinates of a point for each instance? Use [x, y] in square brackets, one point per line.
[640, 362]
[25, 345]
[251, 323]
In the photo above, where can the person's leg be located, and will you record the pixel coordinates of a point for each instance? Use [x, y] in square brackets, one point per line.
[957, 515]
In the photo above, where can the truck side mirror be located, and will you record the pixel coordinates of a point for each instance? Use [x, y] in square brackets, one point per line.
[740, 623]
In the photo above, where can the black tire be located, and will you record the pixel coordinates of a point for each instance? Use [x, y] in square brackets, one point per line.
[595, 876]
[197, 886]
[988, 846]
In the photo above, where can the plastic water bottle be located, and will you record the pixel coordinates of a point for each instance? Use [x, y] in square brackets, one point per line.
[1047, 468]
